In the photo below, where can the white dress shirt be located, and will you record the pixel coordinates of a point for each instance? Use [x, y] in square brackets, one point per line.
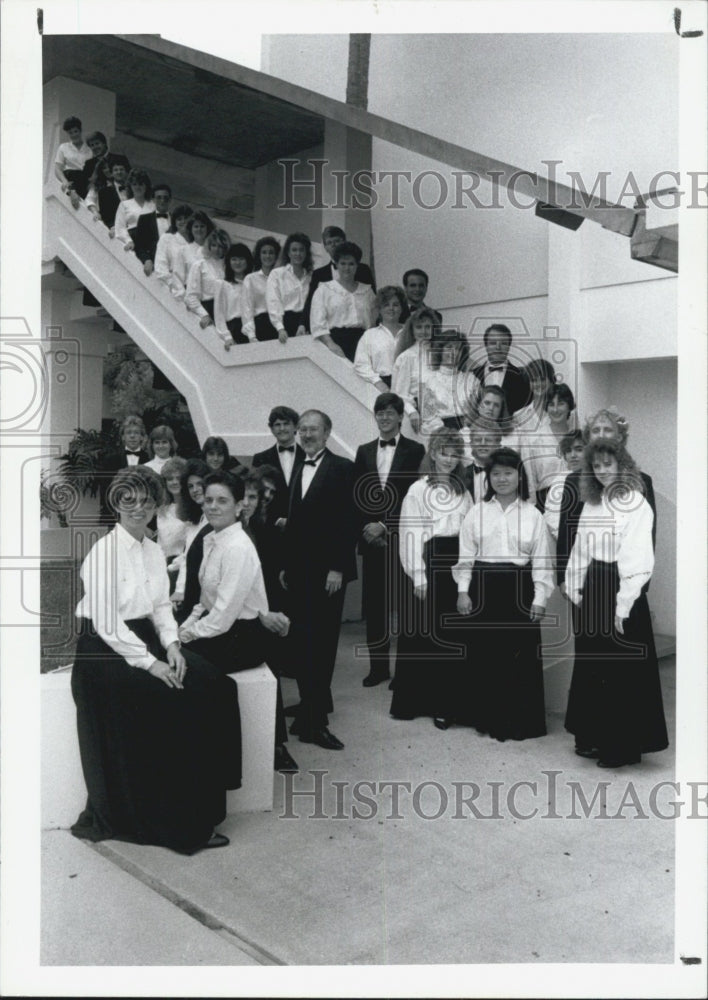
[228, 304]
[71, 157]
[308, 471]
[374, 353]
[186, 256]
[202, 283]
[409, 369]
[253, 301]
[166, 254]
[615, 530]
[539, 449]
[232, 585]
[285, 292]
[287, 461]
[127, 215]
[429, 509]
[333, 306]
[494, 377]
[171, 531]
[384, 458]
[516, 535]
[123, 579]
[156, 464]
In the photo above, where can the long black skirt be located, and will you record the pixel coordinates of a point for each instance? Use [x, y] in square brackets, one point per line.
[615, 703]
[431, 659]
[506, 669]
[264, 328]
[157, 761]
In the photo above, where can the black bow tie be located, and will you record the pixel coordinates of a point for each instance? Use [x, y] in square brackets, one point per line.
[495, 368]
[387, 444]
[477, 468]
[162, 215]
[311, 461]
[129, 452]
[285, 447]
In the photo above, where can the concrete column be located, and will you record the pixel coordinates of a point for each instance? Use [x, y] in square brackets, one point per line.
[349, 151]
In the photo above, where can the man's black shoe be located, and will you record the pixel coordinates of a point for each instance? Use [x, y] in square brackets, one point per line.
[323, 738]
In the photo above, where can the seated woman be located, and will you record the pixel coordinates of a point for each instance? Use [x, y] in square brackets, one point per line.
[204, 276]
[168, 249]
[411, 361]
[615, 708]
[192, 493]
[159, 728]
[504, 580]
[287, 287]
[215, 452]
[228, 300]
[162, 445]
[70, 159]
[341, 310]
[539, 449]
[198, 228]
[256, 321]
[375, 351]
[139, 202]
[431, 647]
[231, 626]
[172, 519]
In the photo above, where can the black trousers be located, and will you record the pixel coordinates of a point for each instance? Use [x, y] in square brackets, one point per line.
[381, 587]
[234, 327]
[264, 328]
[347, 337]
[291, 322]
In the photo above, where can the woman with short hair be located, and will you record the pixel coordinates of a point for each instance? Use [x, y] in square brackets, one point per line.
[159, 728]
[256, 321]
[199, 226]
[71, 157]
[342, 309]
[228, 299]
[139, 202]
[204, 276]
[375, 351]
[168, 249]
[162, 445]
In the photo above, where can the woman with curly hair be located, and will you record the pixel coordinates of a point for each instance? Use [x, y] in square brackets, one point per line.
[256, 321]
[159, 728]
[615, 708]
[204, 276]
[228, 298]
[411, 361]
[139, 202]
[288, 287]
[431, 647]
[169, 247]
[373, 360]
[198, 227]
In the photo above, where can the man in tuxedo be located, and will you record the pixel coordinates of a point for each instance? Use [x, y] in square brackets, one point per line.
[151, 226]
[285, 455]
[98, 144]
[384, 469]
[318, 562]
[104, 201]
[485, 437]
[332, 236]
[134, 439]
[499, 371]
[415, 285]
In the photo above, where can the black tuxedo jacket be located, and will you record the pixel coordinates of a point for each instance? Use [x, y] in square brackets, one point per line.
[193, 560]
[572, 508]
[371, 503]
[147, 234]
[279, 504]
[118, 460]
[515, 386]
[406, 311]
[468, 479]
[322, 274]
[112, 463]
[110, 158]
[108, 202]
[320, 533]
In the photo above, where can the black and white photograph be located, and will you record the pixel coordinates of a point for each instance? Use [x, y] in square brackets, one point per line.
[353, 490]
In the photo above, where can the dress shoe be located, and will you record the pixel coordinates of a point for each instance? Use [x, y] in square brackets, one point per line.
[291, 710]
[441, 723]
[323, 738]
[284, 762]
[618, 763]
[217, 840]
[372, 679]
[585, 751]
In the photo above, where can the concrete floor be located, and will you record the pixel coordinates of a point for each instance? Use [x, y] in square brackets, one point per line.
[391, 886]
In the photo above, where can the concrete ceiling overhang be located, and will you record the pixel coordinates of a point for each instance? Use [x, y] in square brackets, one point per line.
[184, 107]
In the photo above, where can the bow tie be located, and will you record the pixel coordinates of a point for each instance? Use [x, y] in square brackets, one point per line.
[285, 447]
[311, 461]
[495, 368]
[387, 444]
[477, 468]
[129, 452]
[161, 215]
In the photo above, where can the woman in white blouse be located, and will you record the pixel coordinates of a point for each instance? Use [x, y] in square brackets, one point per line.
[256, 321]
[171, 517]
[161, 446]
[504, 579]
[139, 202]
[159, 728]
[431, 648]
[375, 351]
[168, 250]
[231, 625]
[410, 364]
[204, 276]
[288, 286]
[448, 386]
[228, 300]
[615, 708]
[199, 226]
[343, 308]
[540, 448]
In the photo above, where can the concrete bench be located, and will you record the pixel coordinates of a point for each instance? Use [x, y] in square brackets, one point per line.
[63, 788]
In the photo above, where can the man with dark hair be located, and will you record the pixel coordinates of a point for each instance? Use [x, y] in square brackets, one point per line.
[103, 199]
[332, 236]
[415, 285]
[318, 563]
[499, 371]
[284, 455]
[151, 226]
[384, 469]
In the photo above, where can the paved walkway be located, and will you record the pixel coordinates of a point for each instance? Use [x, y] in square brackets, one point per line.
[369, 883]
